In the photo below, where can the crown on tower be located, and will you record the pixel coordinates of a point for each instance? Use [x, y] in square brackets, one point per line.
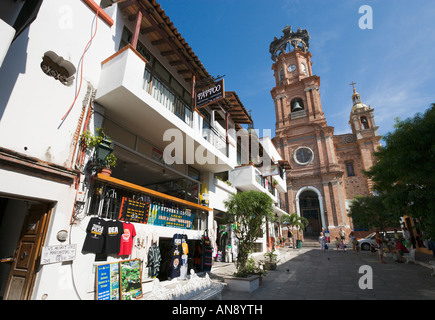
[299, 40]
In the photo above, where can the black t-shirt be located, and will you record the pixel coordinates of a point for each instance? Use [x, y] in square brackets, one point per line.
[113, 233]
[175, 263]
[94, 241]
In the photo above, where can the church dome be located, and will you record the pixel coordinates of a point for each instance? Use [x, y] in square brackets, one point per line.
[358, 105]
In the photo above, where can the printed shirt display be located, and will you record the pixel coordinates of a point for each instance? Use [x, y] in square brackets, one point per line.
[113, 232]
[127, 239]
[175, 263]
[94, 241]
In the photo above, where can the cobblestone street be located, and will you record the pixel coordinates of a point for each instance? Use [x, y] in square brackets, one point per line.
[310, 274]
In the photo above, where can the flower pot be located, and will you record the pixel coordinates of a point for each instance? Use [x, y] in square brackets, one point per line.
[106, 171]
[248, 284]
[270, 265]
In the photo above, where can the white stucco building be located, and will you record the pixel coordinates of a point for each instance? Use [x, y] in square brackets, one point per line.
[70, 67]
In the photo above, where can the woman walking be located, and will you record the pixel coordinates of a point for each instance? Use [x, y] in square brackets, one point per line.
[322, 241]
[380, 243]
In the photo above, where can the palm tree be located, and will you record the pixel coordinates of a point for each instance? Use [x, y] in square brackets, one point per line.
[293, 220]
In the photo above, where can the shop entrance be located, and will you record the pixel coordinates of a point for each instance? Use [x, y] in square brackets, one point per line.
[23, 226]
[310, 209]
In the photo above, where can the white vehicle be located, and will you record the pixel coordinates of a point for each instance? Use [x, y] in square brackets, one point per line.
[366, 242]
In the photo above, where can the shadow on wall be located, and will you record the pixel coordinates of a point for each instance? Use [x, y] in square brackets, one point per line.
[13, 65]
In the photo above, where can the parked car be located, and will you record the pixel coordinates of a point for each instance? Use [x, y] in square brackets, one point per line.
[366, 242]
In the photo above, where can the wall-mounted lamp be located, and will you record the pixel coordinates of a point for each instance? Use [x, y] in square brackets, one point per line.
[103, 150]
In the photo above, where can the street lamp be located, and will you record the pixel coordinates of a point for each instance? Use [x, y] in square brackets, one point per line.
[103, 150]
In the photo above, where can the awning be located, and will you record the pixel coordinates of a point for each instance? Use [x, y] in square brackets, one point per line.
[134, 187]
[165, 37]
[235, 108]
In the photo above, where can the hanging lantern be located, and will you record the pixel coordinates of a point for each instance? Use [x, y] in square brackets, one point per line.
[103, 150]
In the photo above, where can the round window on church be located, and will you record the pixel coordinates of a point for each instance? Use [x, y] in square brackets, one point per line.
[303, 155]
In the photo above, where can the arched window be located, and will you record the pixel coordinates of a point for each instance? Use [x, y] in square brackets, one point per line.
[365, 123]
[58, 68]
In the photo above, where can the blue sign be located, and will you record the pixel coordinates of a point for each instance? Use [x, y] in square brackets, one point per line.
[107, 281]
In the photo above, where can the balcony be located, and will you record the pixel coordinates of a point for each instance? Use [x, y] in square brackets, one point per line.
[124, 93]
[248, 177]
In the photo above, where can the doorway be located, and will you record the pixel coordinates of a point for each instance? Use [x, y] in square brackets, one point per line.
[310, 209]
[23, 226]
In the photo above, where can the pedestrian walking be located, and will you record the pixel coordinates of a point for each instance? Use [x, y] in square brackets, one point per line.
[380, 243]
[322, 241]
[336, 242]
[353, 242]
[290, 236]
[342, 234]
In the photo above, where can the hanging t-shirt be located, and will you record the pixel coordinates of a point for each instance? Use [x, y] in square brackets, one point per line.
[113, 232]
[184, 245]
[176, 239]
[127, 239]
[175, 263]
[94, 241]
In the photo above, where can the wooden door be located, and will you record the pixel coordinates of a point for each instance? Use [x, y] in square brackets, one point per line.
[27, 253]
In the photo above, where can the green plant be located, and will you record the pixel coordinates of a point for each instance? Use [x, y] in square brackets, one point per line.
[111, 160]
[249, 210]
[293, 220]
[274, 182]
[271, 256]
[252, 268]
[90, 141]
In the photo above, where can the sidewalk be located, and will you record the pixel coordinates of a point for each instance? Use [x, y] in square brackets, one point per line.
[221, 269]
[310, 274]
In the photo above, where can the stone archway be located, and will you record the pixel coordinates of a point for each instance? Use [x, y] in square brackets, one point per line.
[309, 204]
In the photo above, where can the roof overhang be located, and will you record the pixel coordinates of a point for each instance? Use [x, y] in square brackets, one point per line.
[157, 26]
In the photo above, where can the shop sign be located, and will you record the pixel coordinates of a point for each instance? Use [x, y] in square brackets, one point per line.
[161, 215]
[58, 253]
[271, 170]
[210, 93]
[107, 281]
[134, 210]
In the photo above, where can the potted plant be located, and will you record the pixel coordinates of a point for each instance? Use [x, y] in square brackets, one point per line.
[100, 140]
[292, 221]
[249, 210]
[274, 183]
[270, 264]
[254, 268]
[110, 163]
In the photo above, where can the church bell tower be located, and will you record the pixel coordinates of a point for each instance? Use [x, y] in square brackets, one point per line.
[303, 137]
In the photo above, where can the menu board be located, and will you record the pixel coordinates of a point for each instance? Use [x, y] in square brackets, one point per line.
[107, 281]
[134, 210]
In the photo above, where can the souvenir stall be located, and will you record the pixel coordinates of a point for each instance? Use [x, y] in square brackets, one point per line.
[141, 236]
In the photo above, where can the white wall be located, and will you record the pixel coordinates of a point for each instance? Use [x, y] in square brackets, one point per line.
[32, 103]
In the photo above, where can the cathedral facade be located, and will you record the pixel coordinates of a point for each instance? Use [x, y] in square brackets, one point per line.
[326, 169]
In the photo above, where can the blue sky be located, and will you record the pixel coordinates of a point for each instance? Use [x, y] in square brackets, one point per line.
[392, 64]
